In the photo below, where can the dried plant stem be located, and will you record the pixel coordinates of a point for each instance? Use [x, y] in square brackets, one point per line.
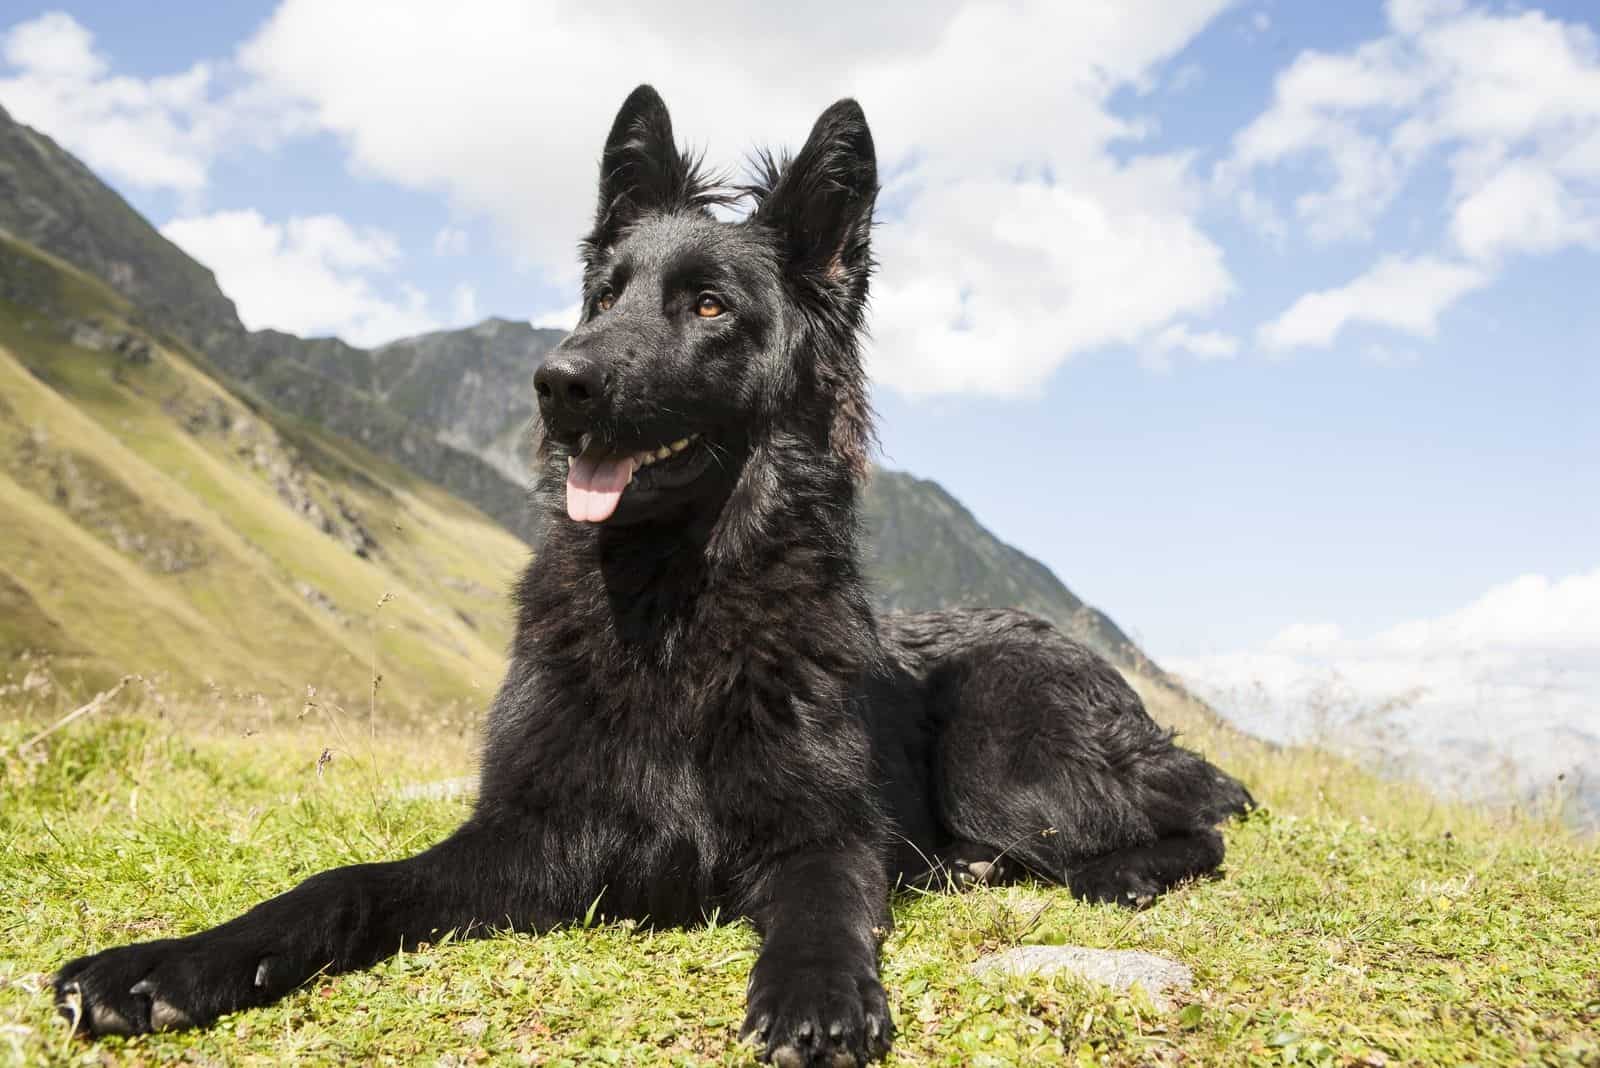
[99, 701]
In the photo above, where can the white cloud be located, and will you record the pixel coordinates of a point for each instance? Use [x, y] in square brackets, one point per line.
[1204, 346]
[1313, 101]
[1462, 85]
[1523, 208]
[1514, 674]
[155, 133]
[53, 45]
[1402, 294]
[1506, 103]
[1013, 237]
[559, 318]
[450, 241]
[1201, 344]
[1010, 279]
[313, 275]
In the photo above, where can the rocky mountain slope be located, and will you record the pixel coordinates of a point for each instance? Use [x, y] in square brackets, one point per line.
[452, 406]
[154, 521]
[925, 550]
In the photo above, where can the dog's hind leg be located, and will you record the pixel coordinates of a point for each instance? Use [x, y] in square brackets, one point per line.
[1046, 756]
[1133, 877]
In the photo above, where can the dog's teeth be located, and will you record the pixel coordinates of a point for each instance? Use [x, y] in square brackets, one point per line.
[646, 459]
[680, 444]
[663, 452]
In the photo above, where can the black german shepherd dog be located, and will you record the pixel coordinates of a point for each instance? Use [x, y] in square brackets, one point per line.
[701, 711]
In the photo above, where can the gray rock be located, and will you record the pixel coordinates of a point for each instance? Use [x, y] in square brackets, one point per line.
[1119, 969]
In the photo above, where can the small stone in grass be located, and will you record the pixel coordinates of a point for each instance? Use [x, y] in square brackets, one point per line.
[1119, 969]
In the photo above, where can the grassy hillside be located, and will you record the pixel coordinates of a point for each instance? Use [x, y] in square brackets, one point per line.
[155, 522]
[1357, 923]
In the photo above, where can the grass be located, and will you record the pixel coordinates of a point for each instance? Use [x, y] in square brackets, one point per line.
[1359, 923]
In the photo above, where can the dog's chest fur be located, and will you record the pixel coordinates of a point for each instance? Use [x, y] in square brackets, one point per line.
[664, 730]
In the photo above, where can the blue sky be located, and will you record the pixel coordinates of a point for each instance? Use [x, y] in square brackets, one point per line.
[1270, 327]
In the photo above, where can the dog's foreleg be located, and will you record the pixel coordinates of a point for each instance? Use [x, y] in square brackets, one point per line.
[814, 992]
[335, 921]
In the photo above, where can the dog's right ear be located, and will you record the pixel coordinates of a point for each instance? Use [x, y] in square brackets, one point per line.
[641, 171]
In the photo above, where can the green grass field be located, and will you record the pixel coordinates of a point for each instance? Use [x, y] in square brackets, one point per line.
[1358, 923]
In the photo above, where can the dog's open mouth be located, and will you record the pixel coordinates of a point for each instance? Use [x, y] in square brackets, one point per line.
[598, 476]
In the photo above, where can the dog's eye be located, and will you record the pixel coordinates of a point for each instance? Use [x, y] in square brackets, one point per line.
[606, 300]
[707, 306]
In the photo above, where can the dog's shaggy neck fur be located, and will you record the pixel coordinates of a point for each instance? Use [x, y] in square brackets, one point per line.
[625, 611]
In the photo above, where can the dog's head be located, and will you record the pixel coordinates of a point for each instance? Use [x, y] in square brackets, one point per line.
[700, 339]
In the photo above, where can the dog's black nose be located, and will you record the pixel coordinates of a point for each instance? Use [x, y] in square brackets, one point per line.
[570, 388]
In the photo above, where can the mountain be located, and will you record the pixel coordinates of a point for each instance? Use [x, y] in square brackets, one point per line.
[925, 550]
[473, 386]
[451, 407]
[155, 521]
[52, 201]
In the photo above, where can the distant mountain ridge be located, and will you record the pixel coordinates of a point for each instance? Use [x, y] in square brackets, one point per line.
[453, 406]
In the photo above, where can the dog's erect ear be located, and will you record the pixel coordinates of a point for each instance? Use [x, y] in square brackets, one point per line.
[641, 170]
[821, 202]
[820, 206]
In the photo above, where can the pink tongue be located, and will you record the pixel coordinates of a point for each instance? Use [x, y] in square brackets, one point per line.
[595, 485]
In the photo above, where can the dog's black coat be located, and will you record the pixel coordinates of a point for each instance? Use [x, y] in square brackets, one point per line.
[702, 712]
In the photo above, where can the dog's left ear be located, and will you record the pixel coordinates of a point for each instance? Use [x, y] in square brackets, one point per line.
[820, 206]
[821, 203]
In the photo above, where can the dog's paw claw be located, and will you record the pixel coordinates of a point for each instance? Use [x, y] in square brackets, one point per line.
[163, 1015]
[756, 1030]
[788, 1057]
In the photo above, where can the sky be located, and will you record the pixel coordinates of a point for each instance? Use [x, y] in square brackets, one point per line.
[1271, 327]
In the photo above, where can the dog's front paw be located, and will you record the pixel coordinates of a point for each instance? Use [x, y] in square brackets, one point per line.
[817, 1015]
[158, 986]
